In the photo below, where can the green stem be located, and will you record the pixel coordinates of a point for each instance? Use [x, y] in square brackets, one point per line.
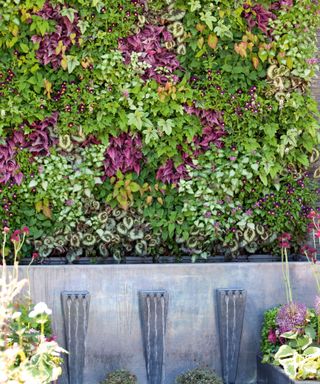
[42, 328]
[4, 248]
[288, 276]
[284, 274]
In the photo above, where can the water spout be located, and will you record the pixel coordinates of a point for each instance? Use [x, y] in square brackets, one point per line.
[75, 306]
[153, 314]
[231, 306]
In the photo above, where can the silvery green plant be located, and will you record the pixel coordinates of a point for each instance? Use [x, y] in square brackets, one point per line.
[213, 197]
[64, 181]
[102, 231]
[120, 377]
[199, 376]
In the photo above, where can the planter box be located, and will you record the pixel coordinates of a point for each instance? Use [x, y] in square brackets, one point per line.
[114, 336]
[83, 260]
[270, 374]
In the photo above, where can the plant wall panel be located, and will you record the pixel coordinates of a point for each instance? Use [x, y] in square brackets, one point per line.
[157, 127]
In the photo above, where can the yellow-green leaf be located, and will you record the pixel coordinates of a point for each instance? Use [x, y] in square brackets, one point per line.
[39, 206]
[200, 42]
[24, 47]
[289, 62]
[213, 41]
[64, 63]
[134, 187]
[47, 212]
[255, 62]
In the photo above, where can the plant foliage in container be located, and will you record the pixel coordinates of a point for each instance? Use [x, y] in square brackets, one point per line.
[120, 377]
[199, 376]
[155, 128]
[28, 350]
[291, 332]
[290, 340]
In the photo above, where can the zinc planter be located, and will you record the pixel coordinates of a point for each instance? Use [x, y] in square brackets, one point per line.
[115, 337]
[270, 374]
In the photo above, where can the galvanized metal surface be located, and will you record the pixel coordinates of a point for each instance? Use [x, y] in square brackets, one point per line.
[269, 374]
[231, 305]
[114, 337]
[153, 307]
[75, 309]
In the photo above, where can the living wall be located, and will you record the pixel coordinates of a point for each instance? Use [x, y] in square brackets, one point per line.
[157, 127]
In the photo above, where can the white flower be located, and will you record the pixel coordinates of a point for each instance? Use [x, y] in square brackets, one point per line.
[39, 309]
[15, 315]
[3, 376]
[28, 377]
[12, 351]
[56, 372]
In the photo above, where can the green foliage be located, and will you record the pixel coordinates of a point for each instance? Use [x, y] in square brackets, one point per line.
[199, 376]
[299, 358]
[224, 202]
[267, 348]
[218, 98]
[297, 352]
[28, 353]
[120, 377]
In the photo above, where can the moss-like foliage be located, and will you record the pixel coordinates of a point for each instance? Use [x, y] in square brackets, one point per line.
[199, 376]
[120, 377]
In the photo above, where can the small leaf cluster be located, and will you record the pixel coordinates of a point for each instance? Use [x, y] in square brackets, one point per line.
[120, 377]
[199, 376]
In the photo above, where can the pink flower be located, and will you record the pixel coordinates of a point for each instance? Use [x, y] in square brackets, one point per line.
[51, 338]
[6, 230]
[309, 252]
[312, 61]
[35, 255]
[291, 317]
[284, 240]
[311, 215]
[26, 230]
[317, 305]
[272, 336]
[15, 237]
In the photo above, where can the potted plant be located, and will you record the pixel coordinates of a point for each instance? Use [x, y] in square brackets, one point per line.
[290, 336]
[290, 349]
[120, 377]
[199, 376]
[28, 351]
